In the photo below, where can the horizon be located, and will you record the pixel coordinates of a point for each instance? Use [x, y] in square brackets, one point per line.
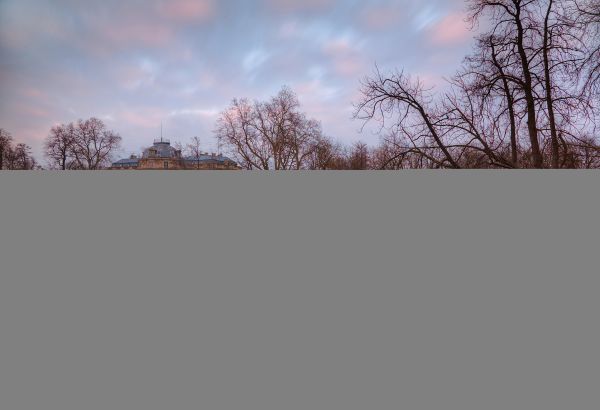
[180, 63]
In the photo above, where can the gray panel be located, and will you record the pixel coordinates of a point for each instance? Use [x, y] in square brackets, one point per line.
[299, 291]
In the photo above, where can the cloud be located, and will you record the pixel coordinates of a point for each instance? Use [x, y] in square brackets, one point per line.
[189, 10]
[101, 28]
[425, 17]
[254, 60]
[138, 63]
[345, 54]
[120, 36]
[35, 93]
[383, 16]
[450, 30]
[144, 117]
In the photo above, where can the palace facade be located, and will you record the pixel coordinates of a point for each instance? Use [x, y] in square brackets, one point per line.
[162, 156]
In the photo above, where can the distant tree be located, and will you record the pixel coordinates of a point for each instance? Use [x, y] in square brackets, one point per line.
[194, 150]
[358, 157]
[22, 159]
[17, 157]
[325, 155]
[5, 146]
[59, 147]
[84, 145]
[93, 144]
[269, 135]
[395, 153]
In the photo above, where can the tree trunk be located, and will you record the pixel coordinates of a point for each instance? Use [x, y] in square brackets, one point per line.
[548, 84]
[511, 109]
[536, 154]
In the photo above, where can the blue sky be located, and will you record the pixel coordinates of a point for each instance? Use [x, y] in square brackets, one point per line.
[136, 63]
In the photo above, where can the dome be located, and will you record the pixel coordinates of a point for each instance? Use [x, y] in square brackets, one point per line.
[161, 149]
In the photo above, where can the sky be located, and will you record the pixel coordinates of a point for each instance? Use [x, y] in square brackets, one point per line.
[139, 63]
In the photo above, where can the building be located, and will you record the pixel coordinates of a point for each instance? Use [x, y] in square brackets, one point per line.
[162, 156]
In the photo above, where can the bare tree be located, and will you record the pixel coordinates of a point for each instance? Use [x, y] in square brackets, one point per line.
[513, 19]
[84, 145]
[562, 49]
[5, 146]
[471, 124]
[325, 155]
[193, 148]
[22, 157]
[408, 105]
[269, 135]
[392, 153]
[93, 144]
[589, 17]
[59, 147]
[17, 157]
[491, 78]
[507, 87]
[358, 157]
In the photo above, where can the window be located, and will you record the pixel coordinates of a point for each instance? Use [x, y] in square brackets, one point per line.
[166, 164]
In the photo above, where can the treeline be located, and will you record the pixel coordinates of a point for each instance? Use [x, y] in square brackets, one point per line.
[526, 97]
[82, 145]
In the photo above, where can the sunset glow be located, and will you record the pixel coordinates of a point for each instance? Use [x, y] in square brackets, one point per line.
[136, 64]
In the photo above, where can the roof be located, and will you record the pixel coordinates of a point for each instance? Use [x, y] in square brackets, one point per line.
[127, 162]
[208, 158]
[163, 150]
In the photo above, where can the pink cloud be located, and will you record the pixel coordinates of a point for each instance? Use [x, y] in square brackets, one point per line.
[338, 46]
[149, 118]
[382, 17]
[346, 57]
[451, 30]
[316, 91]
[17, 34]
[32, 110]
[349, 67]
[131, 77]
[35, 93]
[156, 26]
[190, 10]
[138, 33]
